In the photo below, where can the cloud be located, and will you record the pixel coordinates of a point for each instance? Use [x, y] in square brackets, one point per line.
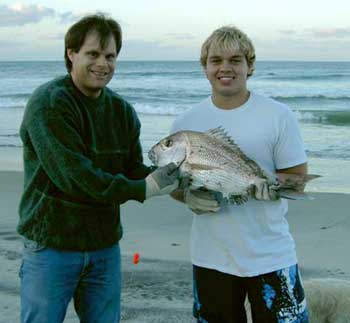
[144, 44]
[302, 49]
[288, 32]
[57, 36]
[10, 43]
[320, 33]
[69, 17]
[157, 50]
[178, 36]
[329, 33]
[20, 15]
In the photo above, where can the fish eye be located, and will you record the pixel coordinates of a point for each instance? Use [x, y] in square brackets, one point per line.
[168, 143]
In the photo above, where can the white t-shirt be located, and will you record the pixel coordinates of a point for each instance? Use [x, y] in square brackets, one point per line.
[253, 238]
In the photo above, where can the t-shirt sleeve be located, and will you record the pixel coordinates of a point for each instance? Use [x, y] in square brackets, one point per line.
[179, 124]
[289, 150]
[174, 127]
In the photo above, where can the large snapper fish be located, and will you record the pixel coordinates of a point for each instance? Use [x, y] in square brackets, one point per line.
[213, 161]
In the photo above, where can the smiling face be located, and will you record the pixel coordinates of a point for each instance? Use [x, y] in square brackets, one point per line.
[92, 66]
[227, 70]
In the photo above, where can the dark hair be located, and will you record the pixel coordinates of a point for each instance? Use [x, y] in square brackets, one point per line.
[104, 26]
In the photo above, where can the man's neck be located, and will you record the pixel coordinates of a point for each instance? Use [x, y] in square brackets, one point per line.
[88, 93]
[230, 102]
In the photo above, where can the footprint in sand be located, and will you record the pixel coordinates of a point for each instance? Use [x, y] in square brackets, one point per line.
[10, 236]
[10, 254]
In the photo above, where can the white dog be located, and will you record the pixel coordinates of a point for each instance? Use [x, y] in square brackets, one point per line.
[328, 300]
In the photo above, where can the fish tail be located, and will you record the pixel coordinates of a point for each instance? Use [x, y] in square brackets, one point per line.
[310, 177]
[294, 182]
[295, 195]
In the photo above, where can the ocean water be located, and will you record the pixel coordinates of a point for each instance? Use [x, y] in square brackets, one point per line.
[318, 92]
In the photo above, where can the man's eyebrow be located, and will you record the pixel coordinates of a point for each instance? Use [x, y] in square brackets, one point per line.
[237, 56]
[92, 51]
[233, 56]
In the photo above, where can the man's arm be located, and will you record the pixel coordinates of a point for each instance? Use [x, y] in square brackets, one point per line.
[56, 139]
[135, 168]
[178, 195]
[299, 182]
[59, 146]
[263, 191]
[298, 170]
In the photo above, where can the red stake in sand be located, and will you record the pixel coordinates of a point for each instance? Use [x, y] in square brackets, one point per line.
[136, 258]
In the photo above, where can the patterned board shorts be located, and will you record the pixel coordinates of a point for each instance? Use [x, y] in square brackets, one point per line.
[276, 297]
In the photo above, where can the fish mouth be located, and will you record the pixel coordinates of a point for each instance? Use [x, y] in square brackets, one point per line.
[152, 156]
[181, 162]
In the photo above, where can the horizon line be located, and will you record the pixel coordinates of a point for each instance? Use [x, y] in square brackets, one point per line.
[181, 60]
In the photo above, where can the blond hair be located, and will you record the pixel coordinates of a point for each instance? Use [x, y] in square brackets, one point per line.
[229, 37]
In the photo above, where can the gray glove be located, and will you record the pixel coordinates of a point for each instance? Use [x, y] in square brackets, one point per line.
[263, 191]
[200, 201]
[162, 181]
[238, 199]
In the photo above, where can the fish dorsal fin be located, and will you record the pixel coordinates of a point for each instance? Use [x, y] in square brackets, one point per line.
[220, 134]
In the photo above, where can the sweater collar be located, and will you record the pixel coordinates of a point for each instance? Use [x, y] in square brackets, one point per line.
[87, 99]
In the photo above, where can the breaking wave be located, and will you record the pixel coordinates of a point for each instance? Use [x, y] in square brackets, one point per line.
[319, 77]
[336, 118]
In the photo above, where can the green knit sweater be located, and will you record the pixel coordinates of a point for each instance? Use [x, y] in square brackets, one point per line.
[82, 159]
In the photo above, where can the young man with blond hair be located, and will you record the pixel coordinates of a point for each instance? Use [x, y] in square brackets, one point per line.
[241, 250]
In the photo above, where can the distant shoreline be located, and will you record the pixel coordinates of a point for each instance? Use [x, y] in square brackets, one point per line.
[177, 60]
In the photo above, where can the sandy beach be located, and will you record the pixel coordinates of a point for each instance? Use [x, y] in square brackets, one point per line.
[158, 288]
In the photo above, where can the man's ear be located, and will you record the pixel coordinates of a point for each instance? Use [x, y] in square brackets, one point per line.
[204, 69]
[250, 70]
[70, 54]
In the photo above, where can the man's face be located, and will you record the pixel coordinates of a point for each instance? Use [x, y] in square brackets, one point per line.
[93, 67]
[227, 71]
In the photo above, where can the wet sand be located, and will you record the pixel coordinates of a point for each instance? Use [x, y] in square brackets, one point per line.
[159, 287]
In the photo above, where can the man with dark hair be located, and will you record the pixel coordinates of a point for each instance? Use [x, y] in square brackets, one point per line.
[82, 159]
[105, 27]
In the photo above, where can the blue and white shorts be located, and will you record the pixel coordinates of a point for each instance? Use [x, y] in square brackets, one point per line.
[276, 297]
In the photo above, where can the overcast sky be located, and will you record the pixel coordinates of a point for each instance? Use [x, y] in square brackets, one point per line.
[175, 30]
